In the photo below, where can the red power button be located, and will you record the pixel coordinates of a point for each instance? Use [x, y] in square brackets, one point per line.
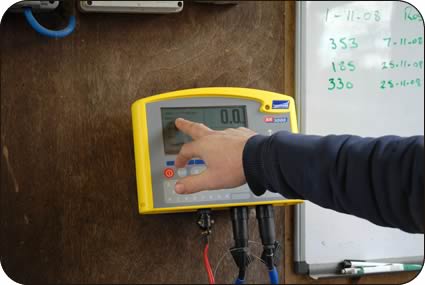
[168, 172]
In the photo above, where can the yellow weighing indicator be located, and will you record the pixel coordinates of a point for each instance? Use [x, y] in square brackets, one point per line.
[157, 142]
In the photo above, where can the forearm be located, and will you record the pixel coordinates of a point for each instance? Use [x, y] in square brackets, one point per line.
[377, 179]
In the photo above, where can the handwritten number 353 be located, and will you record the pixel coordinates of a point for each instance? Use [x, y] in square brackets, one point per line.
[344, 43]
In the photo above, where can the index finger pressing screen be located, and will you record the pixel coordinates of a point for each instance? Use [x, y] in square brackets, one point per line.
[193, 129]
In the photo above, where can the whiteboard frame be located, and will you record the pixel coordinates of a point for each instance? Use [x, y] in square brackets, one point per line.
[320, 270]
[300, 265]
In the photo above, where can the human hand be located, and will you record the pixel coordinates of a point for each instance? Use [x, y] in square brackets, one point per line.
[222, 153]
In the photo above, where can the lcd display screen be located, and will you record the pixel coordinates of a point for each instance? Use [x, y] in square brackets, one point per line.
[216, 118]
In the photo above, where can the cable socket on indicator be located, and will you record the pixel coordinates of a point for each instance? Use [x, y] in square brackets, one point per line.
[205, 221]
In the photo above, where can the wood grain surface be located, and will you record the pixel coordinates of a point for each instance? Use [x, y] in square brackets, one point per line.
[68, 191]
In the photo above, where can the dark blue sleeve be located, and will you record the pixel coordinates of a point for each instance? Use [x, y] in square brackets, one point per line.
[381, 180]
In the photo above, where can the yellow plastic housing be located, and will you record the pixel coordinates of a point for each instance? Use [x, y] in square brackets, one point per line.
[141, 142]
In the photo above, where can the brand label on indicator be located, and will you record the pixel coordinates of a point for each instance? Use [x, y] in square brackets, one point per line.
[280, 104]
[281, 120]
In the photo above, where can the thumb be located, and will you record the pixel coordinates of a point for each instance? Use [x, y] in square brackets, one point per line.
[193, 184]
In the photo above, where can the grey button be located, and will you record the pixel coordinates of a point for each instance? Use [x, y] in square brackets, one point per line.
[167, 185]
[182, 172]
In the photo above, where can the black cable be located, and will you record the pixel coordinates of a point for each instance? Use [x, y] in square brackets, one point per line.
[265, 217]
[239, 216]
[240, 252]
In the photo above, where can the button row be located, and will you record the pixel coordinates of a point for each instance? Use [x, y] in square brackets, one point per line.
[190, 162]
[212, 196]
[183, 172]
[172, 197]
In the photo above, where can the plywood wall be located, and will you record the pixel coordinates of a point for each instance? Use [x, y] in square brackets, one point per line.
[68, 192]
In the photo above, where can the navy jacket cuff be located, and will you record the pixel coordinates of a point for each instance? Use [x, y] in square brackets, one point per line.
[253, 164]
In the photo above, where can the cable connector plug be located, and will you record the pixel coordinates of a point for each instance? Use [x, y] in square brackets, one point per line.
[271, 255]
[271, 248]
[241, 256]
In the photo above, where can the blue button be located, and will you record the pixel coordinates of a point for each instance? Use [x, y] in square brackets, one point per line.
[199, 161]
[191, 162]
[170, 163]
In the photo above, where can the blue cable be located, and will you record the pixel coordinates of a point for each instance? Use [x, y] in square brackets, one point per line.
[274, 276]
[47, 32]
[239, 281]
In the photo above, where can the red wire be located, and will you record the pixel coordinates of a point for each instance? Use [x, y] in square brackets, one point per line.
[208, 266]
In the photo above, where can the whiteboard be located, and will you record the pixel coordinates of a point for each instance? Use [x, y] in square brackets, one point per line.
[360, 70]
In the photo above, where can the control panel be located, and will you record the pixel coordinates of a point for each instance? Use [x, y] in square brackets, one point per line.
[157, 142]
